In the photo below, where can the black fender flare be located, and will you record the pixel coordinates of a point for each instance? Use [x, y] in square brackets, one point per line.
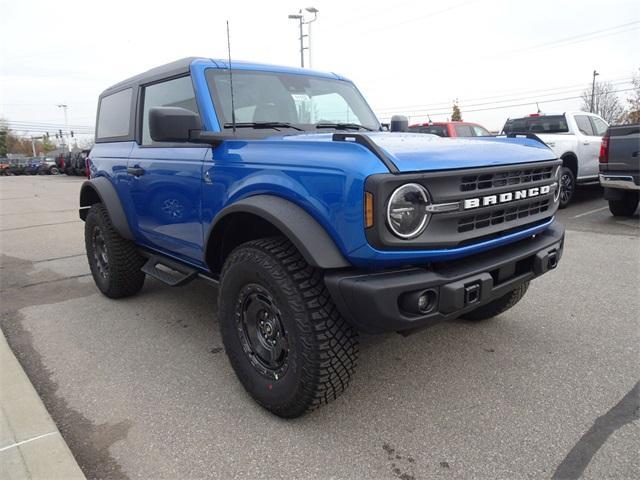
[309, 237]
[101, 190]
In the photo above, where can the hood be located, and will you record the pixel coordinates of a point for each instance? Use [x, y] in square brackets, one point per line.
[412, 152]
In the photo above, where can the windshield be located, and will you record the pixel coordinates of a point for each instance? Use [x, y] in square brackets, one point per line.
[542, 124]
[299, 100]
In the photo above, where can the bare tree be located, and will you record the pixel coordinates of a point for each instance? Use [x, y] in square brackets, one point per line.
[605, 102]
[632, 115]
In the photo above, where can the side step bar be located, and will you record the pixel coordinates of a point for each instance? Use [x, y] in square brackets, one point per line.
[172, 273]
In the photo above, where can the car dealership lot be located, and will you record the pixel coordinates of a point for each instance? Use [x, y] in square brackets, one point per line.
[141, 387]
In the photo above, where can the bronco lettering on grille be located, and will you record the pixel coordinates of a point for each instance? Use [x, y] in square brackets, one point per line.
[506, 197]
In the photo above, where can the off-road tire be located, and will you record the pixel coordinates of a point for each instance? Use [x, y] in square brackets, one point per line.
[497, 306]
[322, 346]
[626, 206]
[123, 276]
[567, 187]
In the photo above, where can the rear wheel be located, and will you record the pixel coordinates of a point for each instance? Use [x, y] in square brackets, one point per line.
[114, 261]
[497, 306]
[626, 206]
[567, 186]
[286, 341]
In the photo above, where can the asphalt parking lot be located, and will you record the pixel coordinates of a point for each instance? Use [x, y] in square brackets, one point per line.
[141, 388]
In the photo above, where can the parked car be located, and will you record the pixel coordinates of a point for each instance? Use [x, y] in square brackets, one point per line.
[33, 166]
[48, 166]
[451, 129]
[314, 223]
[5, 167]
[620, 168]
[17, 166]
[575, 138]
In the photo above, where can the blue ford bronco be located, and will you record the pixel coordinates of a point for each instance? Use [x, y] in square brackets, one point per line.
[280, 185]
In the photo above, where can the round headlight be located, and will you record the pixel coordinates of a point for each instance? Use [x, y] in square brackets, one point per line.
[406, 212]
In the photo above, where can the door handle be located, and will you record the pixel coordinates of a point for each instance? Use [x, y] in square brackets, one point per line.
[586, 143]
[135, 171]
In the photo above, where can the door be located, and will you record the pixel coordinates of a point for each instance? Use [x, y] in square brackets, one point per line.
[588, 147]
[166, 179]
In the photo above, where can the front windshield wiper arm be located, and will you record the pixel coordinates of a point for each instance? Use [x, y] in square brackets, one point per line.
[274, 125]
[343, 126]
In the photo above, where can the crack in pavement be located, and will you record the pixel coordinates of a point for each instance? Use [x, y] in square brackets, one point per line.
[626, 411]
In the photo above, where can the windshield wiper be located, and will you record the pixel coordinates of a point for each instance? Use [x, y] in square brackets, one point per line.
[274, 125]
[343, 126]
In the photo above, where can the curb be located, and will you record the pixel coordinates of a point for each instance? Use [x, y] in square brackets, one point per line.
[31, 446]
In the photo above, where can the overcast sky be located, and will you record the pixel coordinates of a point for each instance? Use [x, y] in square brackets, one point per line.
[407, 56]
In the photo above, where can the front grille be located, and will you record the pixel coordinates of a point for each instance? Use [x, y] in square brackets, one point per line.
[483, 181]
[505, 215]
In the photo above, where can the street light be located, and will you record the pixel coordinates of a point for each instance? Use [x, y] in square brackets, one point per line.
[593, 90]
[301, 22]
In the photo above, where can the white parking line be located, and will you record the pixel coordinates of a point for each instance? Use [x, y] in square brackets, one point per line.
[26, 441]
[590, 212]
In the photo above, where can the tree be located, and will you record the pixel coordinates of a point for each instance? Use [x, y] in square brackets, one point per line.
[632, 115]
[4, 133]
[605, 102]
[456, 116]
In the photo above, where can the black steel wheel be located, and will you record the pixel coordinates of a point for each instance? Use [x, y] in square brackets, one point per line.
[567, 186]
[285, 339]
[261, 331]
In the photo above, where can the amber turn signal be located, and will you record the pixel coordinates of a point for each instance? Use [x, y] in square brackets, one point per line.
[368, 209]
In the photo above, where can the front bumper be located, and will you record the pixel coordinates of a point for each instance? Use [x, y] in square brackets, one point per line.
[620, 181]
[382, 301]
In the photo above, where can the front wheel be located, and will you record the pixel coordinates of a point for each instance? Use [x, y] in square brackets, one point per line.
[284, 337]
[626, 206]
[567, 186]
[497, 306]
[114, 261]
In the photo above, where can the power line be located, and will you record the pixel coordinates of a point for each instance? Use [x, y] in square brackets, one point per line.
[579, 38]
[551, 91]
[424, 17]
[504, 107]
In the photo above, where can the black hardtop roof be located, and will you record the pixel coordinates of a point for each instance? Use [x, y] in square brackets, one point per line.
[157, 73]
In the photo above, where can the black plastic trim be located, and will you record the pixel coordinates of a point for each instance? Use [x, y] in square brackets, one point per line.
[109, 198]
[309, 237]
[370, 145]
[371, 301]
[444, 187]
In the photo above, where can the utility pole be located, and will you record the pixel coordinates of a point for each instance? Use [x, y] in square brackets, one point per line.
[64, 107]
[302, 22]
[593, 90]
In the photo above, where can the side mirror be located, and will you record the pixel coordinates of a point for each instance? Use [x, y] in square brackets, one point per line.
[172, 124]
[399, 123]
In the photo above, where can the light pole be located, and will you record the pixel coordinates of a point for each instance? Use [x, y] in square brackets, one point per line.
[593, 90]
[315, 17]
[64, 107]
[301, 22]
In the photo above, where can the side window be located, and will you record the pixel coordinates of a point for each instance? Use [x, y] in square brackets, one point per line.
[114, 119]
[463, 130]
[172, 93]
[479, 131]
[584, 125]
[599, 126]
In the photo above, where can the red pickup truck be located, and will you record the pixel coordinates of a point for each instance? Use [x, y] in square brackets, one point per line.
[451, 129]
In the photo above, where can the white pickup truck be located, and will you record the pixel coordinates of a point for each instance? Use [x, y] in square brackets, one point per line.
[575, 138]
